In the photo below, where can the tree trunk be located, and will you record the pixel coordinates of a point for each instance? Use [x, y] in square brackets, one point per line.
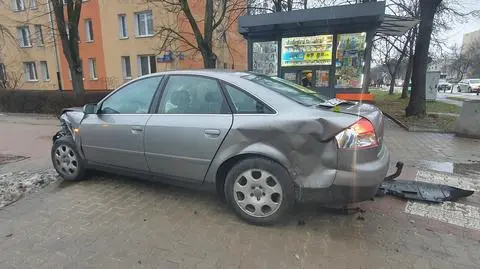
[408, 75]
[68, 32]
[305, 4]
[209, 58]
[278, 5]
[416, 105]
[289, 5]
[392, 84]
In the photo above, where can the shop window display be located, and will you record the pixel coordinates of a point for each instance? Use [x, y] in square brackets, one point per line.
[307, 50]
[350, 60]
[265, 58]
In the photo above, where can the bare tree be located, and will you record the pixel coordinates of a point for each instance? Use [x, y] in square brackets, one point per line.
[68, 32]
[217, 19]
[435, 15]
[391, 52]
[409, 70]
[11, 80]
[465, 60]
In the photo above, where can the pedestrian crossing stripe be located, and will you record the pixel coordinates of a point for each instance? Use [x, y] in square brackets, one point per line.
[455, 213]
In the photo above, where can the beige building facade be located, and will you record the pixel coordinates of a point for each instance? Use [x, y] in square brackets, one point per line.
[27, 53]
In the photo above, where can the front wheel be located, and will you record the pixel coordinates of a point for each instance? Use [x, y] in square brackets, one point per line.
[66, 160]
[458, 89]
[260, 191]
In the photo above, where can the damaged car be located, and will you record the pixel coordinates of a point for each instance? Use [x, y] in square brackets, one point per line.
[261, 142]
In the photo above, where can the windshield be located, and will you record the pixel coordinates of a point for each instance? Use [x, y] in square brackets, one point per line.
[475, 81]
[298, 93]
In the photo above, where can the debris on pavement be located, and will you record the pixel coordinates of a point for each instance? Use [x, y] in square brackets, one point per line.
[14, 186]
[422, 191]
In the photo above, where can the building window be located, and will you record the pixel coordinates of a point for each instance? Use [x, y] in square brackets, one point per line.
[147, 65]
[39, 34]
[24, 36]
[44, 70]
[89, 30]
[30, 71]
[126, 67]
[33, 4]
[122, 21]
[144, 23]
[92, 66]
[18, 5]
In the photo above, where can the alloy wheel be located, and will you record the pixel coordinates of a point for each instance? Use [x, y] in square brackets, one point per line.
[258, 193]
[66, 160]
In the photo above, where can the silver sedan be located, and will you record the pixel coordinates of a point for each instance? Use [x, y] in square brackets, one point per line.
[263, 143]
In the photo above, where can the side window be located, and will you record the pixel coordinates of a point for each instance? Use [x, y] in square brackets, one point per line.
[246, 104]
[134, 98]
[192, 95]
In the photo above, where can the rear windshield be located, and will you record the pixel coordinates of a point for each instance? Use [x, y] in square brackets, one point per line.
[475, 81]
[288, 89]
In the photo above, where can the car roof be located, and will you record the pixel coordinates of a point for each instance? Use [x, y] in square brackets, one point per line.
[215, 73]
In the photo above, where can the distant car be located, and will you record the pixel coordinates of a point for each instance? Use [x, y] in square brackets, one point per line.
[469, 85]
[443, 85]
[263, 143]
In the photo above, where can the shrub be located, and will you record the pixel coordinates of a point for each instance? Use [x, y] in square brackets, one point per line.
[45, 102]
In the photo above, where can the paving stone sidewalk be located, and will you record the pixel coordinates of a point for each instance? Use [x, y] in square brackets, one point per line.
[116, 222]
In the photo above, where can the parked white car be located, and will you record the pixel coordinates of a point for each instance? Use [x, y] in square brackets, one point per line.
[469, 85]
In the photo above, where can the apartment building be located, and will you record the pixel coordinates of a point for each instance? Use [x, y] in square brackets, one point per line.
[469, 39]
[27, 54]
[118, 42]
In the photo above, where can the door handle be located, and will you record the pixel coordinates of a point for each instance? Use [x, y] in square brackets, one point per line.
[212, 132]
[136, 129]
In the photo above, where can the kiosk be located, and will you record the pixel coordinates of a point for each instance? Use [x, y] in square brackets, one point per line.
[328, 49]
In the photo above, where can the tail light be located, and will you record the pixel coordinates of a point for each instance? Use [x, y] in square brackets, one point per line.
[360, 135]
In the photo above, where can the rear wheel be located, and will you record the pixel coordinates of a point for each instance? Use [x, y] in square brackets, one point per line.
[260, 191]
[458, 89]
[66, 159]
[469, 89]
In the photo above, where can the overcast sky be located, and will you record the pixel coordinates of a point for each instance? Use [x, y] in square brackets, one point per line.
[456, 34]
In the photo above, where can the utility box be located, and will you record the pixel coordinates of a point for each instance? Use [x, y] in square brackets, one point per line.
[431, 85]
[468, 123]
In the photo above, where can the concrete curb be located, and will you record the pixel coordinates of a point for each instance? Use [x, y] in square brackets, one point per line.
[399, 123]
[415, 129]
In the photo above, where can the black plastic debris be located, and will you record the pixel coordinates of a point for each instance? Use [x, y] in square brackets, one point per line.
[421, 191]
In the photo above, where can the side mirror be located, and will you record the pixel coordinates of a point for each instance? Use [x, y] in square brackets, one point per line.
[90, 109]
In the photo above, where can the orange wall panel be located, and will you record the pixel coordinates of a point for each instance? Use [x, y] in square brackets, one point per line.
[90, 10]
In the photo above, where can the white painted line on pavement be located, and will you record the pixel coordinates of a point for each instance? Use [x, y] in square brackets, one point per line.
[454, 180]
[449, 212]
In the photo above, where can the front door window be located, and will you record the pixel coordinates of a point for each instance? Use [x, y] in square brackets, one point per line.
[134, 98]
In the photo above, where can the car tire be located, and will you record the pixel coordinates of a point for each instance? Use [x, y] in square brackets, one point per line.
[260, 191]
[469, 89]
[66, 160]
[458, 89]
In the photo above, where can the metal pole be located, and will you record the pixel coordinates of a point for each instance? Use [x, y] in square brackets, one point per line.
[55, 52]
[368, 60]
